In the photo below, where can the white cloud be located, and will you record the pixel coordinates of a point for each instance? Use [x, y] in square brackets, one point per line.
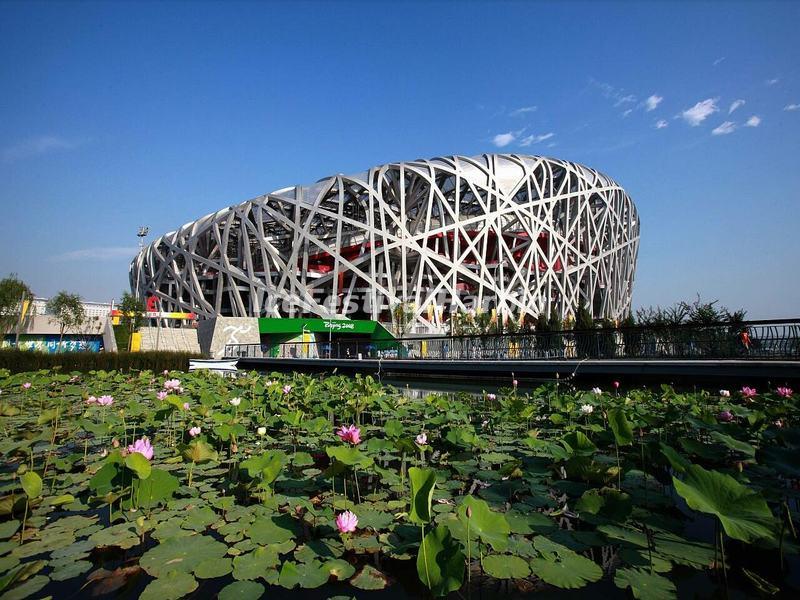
[101, 253]
[36, 146]
[793, 106]
[521, 111]
[753, 121]
[724, 129]
[652, 102]
[612, 93]
[503, 139]
[736, 104]
[719, 60]
[625, 99]
[700, 111]
[627, 112]
[661, 123]
[772, 81]
[535, 139]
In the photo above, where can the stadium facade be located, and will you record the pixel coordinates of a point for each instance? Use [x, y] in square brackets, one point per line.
[519, 234]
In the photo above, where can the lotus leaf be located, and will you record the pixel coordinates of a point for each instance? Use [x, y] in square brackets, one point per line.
[31, 484]
[370, 578]
[505, 566]
[273, 530]
[645, 585]
[440, 562]
[623, 433]
[242, 590]
[744, 514]
[490, 527]
[171, 585]
[561, 567]
[253, 564]
[137, 463]
[181, 554]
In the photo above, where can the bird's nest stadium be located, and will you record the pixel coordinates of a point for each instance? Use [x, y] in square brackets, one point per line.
[519, 234]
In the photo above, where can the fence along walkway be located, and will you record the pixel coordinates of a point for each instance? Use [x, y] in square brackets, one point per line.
[749, 340]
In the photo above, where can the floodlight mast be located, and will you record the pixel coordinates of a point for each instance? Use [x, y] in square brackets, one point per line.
[141, 234]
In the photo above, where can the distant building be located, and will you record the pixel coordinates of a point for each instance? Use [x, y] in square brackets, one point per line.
[41, 333]
[519, 235]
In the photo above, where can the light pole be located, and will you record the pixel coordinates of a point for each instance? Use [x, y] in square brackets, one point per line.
[141, 234]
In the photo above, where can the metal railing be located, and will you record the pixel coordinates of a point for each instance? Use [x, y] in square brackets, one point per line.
[750, 340]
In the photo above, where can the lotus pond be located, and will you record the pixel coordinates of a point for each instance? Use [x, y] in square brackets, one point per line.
[171, 485]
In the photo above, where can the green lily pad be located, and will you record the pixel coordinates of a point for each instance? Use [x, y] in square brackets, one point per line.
[171, 585]
[24, 590]
[491, 527]
[71, 570]
[504, 566]
[645, 586]
[242, 590]
[273, 530]
[253, 564]
[212, 568]
[347, 455]
[561, 567]
[369, 578]
[8, 529]
[339, 568]
[181, 554]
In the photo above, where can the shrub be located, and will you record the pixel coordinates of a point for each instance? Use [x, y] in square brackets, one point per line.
[18, 361]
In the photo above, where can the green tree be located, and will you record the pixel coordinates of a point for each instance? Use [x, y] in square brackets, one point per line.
[13, 291]
[133, 311]
[583, 319]
[67, 310]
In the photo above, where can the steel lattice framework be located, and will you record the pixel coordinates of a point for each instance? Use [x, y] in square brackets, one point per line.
[522, 234]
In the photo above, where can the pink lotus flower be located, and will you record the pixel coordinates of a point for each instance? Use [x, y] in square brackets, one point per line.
[195, 431]
[287, 389]
[349, 433]
[422, 439]
[26, 385]
[725, 416]
[162, 395]
[491, 397]
[785, 392]
[91, 400]
[748, 392]
[346, 522]
[105, 400]
[143, 447]
[172, 385]
[615, 384]
[514, 382]
[185, 406]
[165, 373]
[725, 393]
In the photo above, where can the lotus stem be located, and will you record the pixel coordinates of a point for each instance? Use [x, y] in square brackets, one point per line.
[24, 520]
[722, 554]
[424, 554]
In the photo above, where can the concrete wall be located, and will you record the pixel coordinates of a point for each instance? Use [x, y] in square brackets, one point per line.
[214, 334]
[170, 339]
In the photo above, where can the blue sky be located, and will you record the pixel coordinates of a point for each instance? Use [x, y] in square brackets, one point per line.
[114, 115]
